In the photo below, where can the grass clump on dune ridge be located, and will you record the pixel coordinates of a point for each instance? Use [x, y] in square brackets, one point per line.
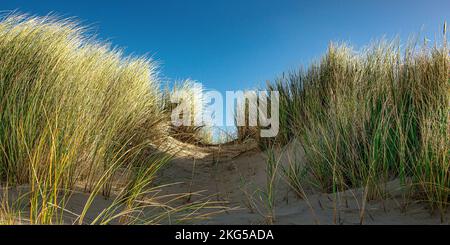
[187, 95]
[75, 112]
[367, 117]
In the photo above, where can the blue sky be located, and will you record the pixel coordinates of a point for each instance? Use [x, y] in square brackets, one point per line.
[230, 45]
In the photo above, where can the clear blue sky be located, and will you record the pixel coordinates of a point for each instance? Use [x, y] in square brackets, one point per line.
[229, 45]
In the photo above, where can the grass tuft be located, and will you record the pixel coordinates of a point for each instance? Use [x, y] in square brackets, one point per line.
[366, 117]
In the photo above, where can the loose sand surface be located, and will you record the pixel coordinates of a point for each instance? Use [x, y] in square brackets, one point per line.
[235, 176]
[239, 179]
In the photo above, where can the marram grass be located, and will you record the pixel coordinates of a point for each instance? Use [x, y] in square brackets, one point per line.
[367, 117]
[185, 95]
[75, 114]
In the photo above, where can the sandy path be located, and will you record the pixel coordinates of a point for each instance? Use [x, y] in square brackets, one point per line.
[237, 181]
[236, 175]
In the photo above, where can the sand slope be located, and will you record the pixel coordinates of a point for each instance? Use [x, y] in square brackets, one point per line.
[235, 175]
[241, 180]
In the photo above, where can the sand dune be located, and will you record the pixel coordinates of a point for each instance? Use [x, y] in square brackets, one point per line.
[237, 181]
[235, 175]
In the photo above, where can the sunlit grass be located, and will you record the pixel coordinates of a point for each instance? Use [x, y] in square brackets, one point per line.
[76, 115]
[366, 117]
